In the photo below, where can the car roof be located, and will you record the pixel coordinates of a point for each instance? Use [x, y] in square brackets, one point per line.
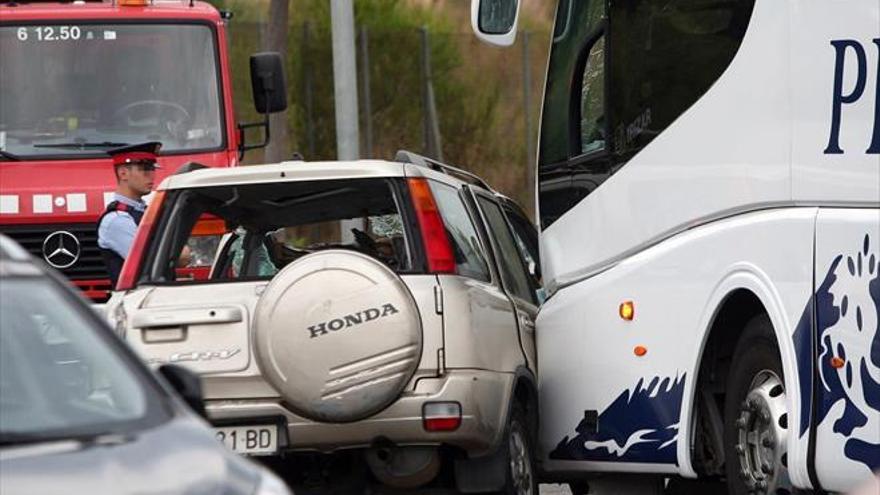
[12, 251]
[290, 171]
[15, 261]
[299, 171]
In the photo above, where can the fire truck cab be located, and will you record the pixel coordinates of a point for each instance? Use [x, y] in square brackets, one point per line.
[79, 78]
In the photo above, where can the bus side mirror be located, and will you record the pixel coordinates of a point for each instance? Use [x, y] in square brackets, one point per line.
[495, 21]
[267, 81]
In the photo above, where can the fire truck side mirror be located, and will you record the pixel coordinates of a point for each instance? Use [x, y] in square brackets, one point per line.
[267, 81]
[270, 96]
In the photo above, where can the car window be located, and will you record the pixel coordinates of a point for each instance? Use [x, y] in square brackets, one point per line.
[267, 226]
[469, 258]
[58, 376]
[509, 257]
[592, 105]
[526, 238]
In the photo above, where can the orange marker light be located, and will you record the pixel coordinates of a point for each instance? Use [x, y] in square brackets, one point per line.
[837, 362]
[640, 350]
[627, 310]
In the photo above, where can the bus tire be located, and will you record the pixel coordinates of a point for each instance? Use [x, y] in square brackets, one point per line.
[755, 415]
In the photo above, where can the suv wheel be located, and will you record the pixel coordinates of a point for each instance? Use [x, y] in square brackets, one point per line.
[521, 478]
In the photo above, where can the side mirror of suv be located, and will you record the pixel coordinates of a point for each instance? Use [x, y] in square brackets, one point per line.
[187, 384]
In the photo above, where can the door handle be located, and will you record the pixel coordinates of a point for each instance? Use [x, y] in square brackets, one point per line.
[178, 317]
[526, 323]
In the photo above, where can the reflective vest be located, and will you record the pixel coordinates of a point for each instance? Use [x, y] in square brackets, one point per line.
[111, 258]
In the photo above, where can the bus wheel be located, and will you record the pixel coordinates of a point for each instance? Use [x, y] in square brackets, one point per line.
[756, 417]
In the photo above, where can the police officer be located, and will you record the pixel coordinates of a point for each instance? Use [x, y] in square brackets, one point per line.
[135, 172]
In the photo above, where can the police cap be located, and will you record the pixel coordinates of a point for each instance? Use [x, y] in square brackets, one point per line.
[136, 154]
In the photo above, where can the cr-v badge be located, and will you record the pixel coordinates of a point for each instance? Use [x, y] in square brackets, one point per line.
[179, 357]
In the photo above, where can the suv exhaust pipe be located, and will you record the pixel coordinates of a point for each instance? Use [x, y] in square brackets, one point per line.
[402, 467]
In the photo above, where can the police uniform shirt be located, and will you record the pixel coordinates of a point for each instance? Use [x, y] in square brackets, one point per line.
[117, 229]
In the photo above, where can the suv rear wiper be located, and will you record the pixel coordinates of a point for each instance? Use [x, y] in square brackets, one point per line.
[82, 146]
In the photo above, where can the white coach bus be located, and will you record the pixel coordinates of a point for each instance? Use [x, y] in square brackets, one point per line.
[709, 204]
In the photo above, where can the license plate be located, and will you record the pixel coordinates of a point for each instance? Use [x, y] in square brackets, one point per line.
[251, 440]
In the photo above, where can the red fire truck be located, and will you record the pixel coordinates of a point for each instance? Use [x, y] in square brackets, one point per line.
[79, 78]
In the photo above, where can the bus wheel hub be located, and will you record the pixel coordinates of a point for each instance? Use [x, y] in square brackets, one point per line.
[762, 431]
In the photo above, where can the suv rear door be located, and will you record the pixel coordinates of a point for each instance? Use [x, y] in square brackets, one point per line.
[479, 322]
[206, 324]
[518, 283]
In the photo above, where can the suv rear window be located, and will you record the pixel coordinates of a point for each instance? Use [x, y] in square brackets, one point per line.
[254, 230]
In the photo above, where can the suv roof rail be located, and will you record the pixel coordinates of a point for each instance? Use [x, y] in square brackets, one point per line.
[405, 156]
[189, 167]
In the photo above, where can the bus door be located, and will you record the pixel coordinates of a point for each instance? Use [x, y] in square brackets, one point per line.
[847, 339]
[836, 160]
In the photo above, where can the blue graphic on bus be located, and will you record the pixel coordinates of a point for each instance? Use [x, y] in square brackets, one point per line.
[847, 309]
[641, 425]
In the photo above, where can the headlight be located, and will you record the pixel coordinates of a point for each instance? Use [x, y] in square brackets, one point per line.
[271, 485]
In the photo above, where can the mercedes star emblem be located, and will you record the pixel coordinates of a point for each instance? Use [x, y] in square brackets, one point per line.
[61, 249]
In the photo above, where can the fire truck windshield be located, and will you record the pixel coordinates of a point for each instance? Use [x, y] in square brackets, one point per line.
[64, 88]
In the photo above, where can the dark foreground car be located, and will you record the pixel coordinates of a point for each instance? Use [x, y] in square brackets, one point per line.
[79, 413]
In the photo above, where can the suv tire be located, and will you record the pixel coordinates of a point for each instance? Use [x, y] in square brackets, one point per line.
[520, 477]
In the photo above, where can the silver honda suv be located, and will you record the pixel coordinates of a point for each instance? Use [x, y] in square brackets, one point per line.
[379, 312]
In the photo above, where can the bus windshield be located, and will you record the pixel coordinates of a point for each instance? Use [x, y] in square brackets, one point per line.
[134, 83]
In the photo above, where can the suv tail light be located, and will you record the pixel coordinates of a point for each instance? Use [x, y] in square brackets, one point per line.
[437, 247]
[441, 416]
[132, 266]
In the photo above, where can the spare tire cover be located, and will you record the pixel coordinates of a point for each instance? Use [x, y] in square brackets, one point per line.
[338, 334]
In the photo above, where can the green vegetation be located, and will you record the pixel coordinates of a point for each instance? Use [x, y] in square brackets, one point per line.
[478, 89]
